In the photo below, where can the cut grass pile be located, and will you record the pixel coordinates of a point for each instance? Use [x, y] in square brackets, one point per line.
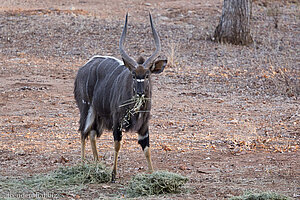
[159, 182]
[63, 179]
[260, 196]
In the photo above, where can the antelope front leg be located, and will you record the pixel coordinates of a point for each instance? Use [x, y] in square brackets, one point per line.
[117, 139]
[143, 140]
[117, 149]
[148, 158]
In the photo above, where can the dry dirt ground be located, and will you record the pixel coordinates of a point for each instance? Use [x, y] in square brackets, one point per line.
[225, 116]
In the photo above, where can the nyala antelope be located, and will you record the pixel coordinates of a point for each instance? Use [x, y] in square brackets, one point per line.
[116, 95]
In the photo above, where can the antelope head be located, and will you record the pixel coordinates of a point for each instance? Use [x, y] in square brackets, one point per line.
[141, 70]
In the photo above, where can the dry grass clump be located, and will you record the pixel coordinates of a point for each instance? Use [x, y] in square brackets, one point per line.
[64, 179]
[134, 106]
[159, 182]
[83, 174]
[260, 196]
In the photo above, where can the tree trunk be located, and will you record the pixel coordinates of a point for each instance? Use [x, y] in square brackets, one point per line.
[234, 26]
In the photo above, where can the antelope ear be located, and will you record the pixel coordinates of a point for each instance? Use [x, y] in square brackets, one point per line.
[128, 65]
[158, 66]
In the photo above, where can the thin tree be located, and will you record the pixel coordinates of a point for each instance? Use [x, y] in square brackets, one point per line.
[234, 26]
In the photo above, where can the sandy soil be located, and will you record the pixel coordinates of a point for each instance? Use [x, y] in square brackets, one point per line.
[225, 116]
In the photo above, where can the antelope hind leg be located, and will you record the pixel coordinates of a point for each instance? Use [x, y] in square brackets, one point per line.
[82, 149]
[93, 144]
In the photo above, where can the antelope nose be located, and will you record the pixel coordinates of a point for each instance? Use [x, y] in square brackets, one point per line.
[140, 93]
[140, 88]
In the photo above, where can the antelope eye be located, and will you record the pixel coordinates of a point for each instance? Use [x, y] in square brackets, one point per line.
[147, 75]
[133, 75]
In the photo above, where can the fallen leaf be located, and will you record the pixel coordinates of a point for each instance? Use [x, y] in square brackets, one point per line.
[165, 147]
